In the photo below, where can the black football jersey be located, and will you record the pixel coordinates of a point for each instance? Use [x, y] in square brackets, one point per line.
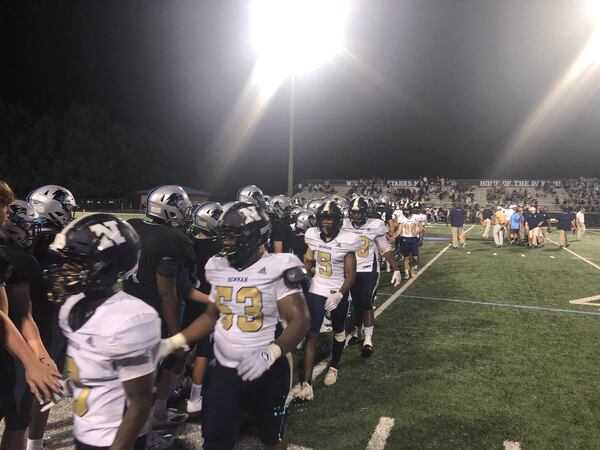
[297, 245]
[204, 249]
[281, 231]
[158, 242]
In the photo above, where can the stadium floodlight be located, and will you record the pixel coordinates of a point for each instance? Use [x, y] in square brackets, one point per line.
[295, 36]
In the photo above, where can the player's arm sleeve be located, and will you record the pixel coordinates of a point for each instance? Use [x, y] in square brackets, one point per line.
[134, 350]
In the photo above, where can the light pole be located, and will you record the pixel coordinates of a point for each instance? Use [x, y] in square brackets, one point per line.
[290, 189]
[294, 37]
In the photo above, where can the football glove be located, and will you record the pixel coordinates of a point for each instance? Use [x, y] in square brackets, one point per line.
[396, 278]
[333, 301]
[258, 362]
[169, 345]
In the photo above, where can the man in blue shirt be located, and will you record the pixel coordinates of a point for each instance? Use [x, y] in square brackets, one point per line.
[532, 222]
[543, 228]
[566, 223]
[486, 221]
[456, 218]
[516, 221]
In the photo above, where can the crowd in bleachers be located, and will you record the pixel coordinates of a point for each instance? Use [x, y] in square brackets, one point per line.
[582, 192]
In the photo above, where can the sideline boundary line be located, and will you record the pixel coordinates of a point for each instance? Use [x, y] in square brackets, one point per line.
[320, 368]
[503, 305]
[575, 254]
[399, 292]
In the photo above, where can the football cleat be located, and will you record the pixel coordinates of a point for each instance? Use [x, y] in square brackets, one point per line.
[157, 441]
[366, 351]
[172, 419]
[331, 377]
[305, 392]
[354, 340]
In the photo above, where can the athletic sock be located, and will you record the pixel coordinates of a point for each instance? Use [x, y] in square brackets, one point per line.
[368, 331]
[160, 408]
[336, 353]
[173, 377]
[196, 393]
[368, 341]
[34, 444]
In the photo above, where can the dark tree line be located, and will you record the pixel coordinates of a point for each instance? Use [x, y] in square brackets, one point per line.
[81, 149]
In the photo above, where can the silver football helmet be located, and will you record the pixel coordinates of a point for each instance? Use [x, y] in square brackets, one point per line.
[205, 218]
[252, 194]
[168, 203]
[23, 225]
[54, 203]
[280, 205]
[314, 204]
[305, 220]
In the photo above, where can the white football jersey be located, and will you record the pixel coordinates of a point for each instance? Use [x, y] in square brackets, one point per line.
[397, 215]
[329, 259]
[118, 343]
[372, 237]
[410, 225]
[422, 218]
[247, 303]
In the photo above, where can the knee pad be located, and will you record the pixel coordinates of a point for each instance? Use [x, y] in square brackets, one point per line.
[340, 337]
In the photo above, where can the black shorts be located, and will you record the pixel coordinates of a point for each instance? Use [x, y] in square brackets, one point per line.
[228, 397]
[409, 246]
[140, 444]
[15, 397]
[316, 308]
[364, 290]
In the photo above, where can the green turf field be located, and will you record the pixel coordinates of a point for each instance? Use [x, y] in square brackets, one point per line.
[473, 375]
[481, 351]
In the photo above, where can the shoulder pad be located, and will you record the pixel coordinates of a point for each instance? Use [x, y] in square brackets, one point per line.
[296, 277]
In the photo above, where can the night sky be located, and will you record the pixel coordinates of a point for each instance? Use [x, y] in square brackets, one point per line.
[443, 87]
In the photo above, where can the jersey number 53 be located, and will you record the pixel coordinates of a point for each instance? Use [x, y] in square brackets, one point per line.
[252, 319]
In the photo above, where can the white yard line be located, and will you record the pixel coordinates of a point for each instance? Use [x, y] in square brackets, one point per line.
[381, 434]
[399, 292]
[510, 445]
[576, 255]
[503, 305]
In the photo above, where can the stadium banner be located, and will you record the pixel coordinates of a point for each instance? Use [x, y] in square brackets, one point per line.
[519, 183]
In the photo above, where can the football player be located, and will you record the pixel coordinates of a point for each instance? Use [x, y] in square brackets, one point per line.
[409, 228]
[250, 291]
[371, 233]
[304, 221]
[56, 206]
[331, 256]
[279, 214]
[113, 338]
[204, 238]
[418, 211]
[165, 252]
[24, 287]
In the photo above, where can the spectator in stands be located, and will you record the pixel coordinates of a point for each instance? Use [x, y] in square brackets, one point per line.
[499, 226]
[580, 223]
[566, 223]
[456, 218]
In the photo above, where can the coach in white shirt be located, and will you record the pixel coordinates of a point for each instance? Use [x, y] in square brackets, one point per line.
[580, 223]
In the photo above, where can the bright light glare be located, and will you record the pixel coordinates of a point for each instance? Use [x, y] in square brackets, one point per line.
[594, 6]
[295, 36]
